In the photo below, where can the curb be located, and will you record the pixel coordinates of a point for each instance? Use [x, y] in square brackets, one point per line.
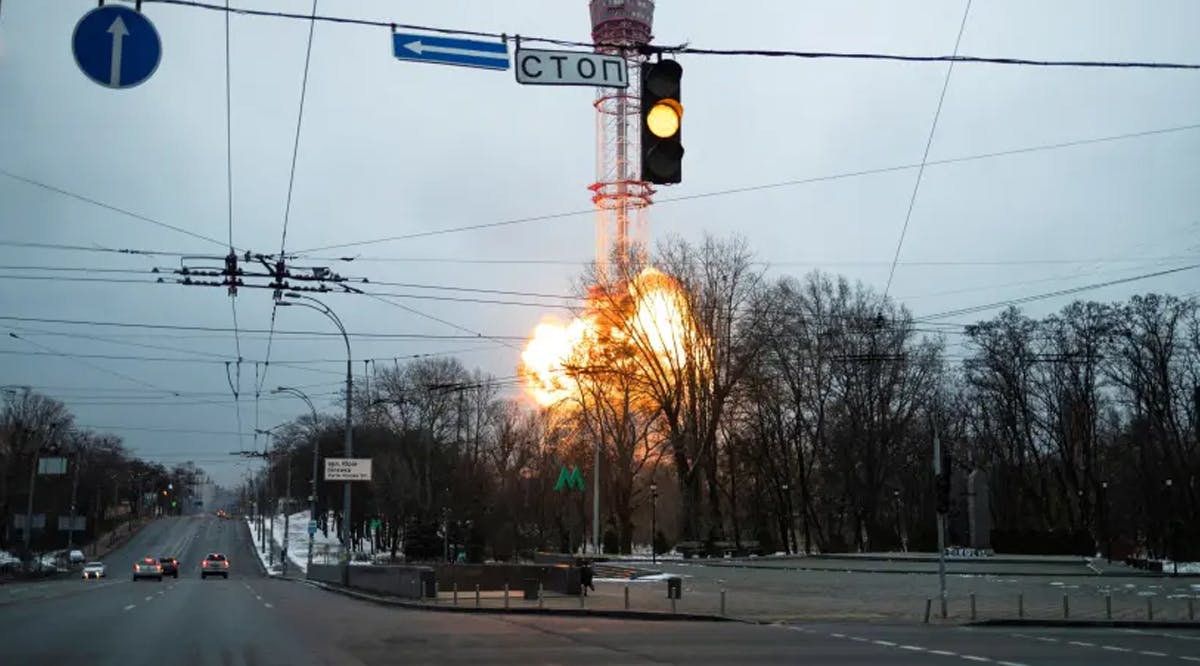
[653, 616]
[1114, 624]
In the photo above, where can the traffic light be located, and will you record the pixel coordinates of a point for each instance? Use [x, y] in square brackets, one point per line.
[662, 123]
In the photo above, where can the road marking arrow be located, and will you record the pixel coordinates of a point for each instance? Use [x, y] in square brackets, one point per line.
[118, 32]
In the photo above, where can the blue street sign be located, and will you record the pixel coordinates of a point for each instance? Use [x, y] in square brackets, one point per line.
[450, 51]
[312, 527]
[116, 46]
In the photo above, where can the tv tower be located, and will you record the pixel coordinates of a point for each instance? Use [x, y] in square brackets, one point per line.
[621, 28]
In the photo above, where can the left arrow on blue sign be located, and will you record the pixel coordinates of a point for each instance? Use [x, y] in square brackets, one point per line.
[450, 51]
[116, 46]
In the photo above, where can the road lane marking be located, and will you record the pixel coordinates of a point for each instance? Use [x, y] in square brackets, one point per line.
[130, 606]
[1186, 658]
[258, 597]
[974, 658]
[859, 639]
[1046, 639]
[1151, 653]
[1114, 648]
[838, 635]
[885, 643]
[268, 605]
[1082, 643]
[944, 653]
[1010, 663]
[914, 648]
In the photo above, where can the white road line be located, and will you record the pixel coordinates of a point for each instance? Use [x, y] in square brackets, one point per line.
[130, 606]
[1186, 658]
[1151, 653]
[1082, 643]
[150, 598]
[268, 605]
[838, 635]
[860, 639]
[1010, 663]
[914, 648]
[974, 658]
[1114, 648]
[887, 643]
[258, 597]
[1046, 639]
[944, 653]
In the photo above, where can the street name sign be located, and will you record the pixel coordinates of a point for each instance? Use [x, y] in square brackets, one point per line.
[347, 469]
[570, 68]
[115, 46]
[312, 527]
[450, 51]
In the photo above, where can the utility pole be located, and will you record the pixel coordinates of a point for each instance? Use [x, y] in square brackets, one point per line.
[74, 493]
[312, 497]
[596, 498]
[941, 515]
[283, 556]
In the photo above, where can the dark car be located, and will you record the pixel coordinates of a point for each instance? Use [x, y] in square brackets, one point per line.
[215, 564]
[170, 566]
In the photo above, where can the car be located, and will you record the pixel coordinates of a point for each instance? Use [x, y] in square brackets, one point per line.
[170, 566]
[147, 567]
[215, 564]
[76, 557]
[93, 570]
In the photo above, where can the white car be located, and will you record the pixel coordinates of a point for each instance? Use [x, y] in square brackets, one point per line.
[76, 557]
[93, 570]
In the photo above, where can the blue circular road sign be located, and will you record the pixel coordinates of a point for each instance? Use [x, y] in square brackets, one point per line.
[116, 46]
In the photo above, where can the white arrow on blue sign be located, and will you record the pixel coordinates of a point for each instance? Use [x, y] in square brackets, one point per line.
[450, 51]
[116, 46]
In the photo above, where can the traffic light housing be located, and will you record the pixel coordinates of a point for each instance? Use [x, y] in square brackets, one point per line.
[662, 123]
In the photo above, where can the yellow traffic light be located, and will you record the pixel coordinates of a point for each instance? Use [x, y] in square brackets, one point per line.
[664, 118]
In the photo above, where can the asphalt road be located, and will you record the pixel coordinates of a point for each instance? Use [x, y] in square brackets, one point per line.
[253, 620]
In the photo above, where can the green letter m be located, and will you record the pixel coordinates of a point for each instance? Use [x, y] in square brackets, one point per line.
[572, 479]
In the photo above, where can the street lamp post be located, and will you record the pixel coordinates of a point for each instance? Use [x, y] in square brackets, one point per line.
[1171, 547]
[787, 511]
[349, 446]
[654, 523]
[1104, 521]
[312, 497]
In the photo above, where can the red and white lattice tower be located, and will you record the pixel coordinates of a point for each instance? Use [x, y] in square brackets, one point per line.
[620, 27]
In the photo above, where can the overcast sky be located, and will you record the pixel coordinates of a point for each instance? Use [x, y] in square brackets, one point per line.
[391, 148]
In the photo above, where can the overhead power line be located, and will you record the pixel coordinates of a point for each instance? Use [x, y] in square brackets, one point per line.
[757, 188]
[937, 114]
[110, 207]
[221, 329]
[689, 50]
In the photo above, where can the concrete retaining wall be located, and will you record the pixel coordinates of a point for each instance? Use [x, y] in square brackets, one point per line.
[397, 581]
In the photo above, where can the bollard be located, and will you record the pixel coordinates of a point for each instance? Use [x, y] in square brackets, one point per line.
[1066, 608]
[1191, 608]
[455, 593]
[722, 603]
[928, 606]
[1021, 606]
[1149, 608]
[477, 596]
[626, 597]
[972, 606]
[506, 596]
[1108, 605]
[541, 597]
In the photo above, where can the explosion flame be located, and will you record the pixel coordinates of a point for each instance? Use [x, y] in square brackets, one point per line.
[649, 316]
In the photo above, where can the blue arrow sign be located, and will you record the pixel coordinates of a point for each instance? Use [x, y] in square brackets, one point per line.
[450, 51]
[116, 46]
